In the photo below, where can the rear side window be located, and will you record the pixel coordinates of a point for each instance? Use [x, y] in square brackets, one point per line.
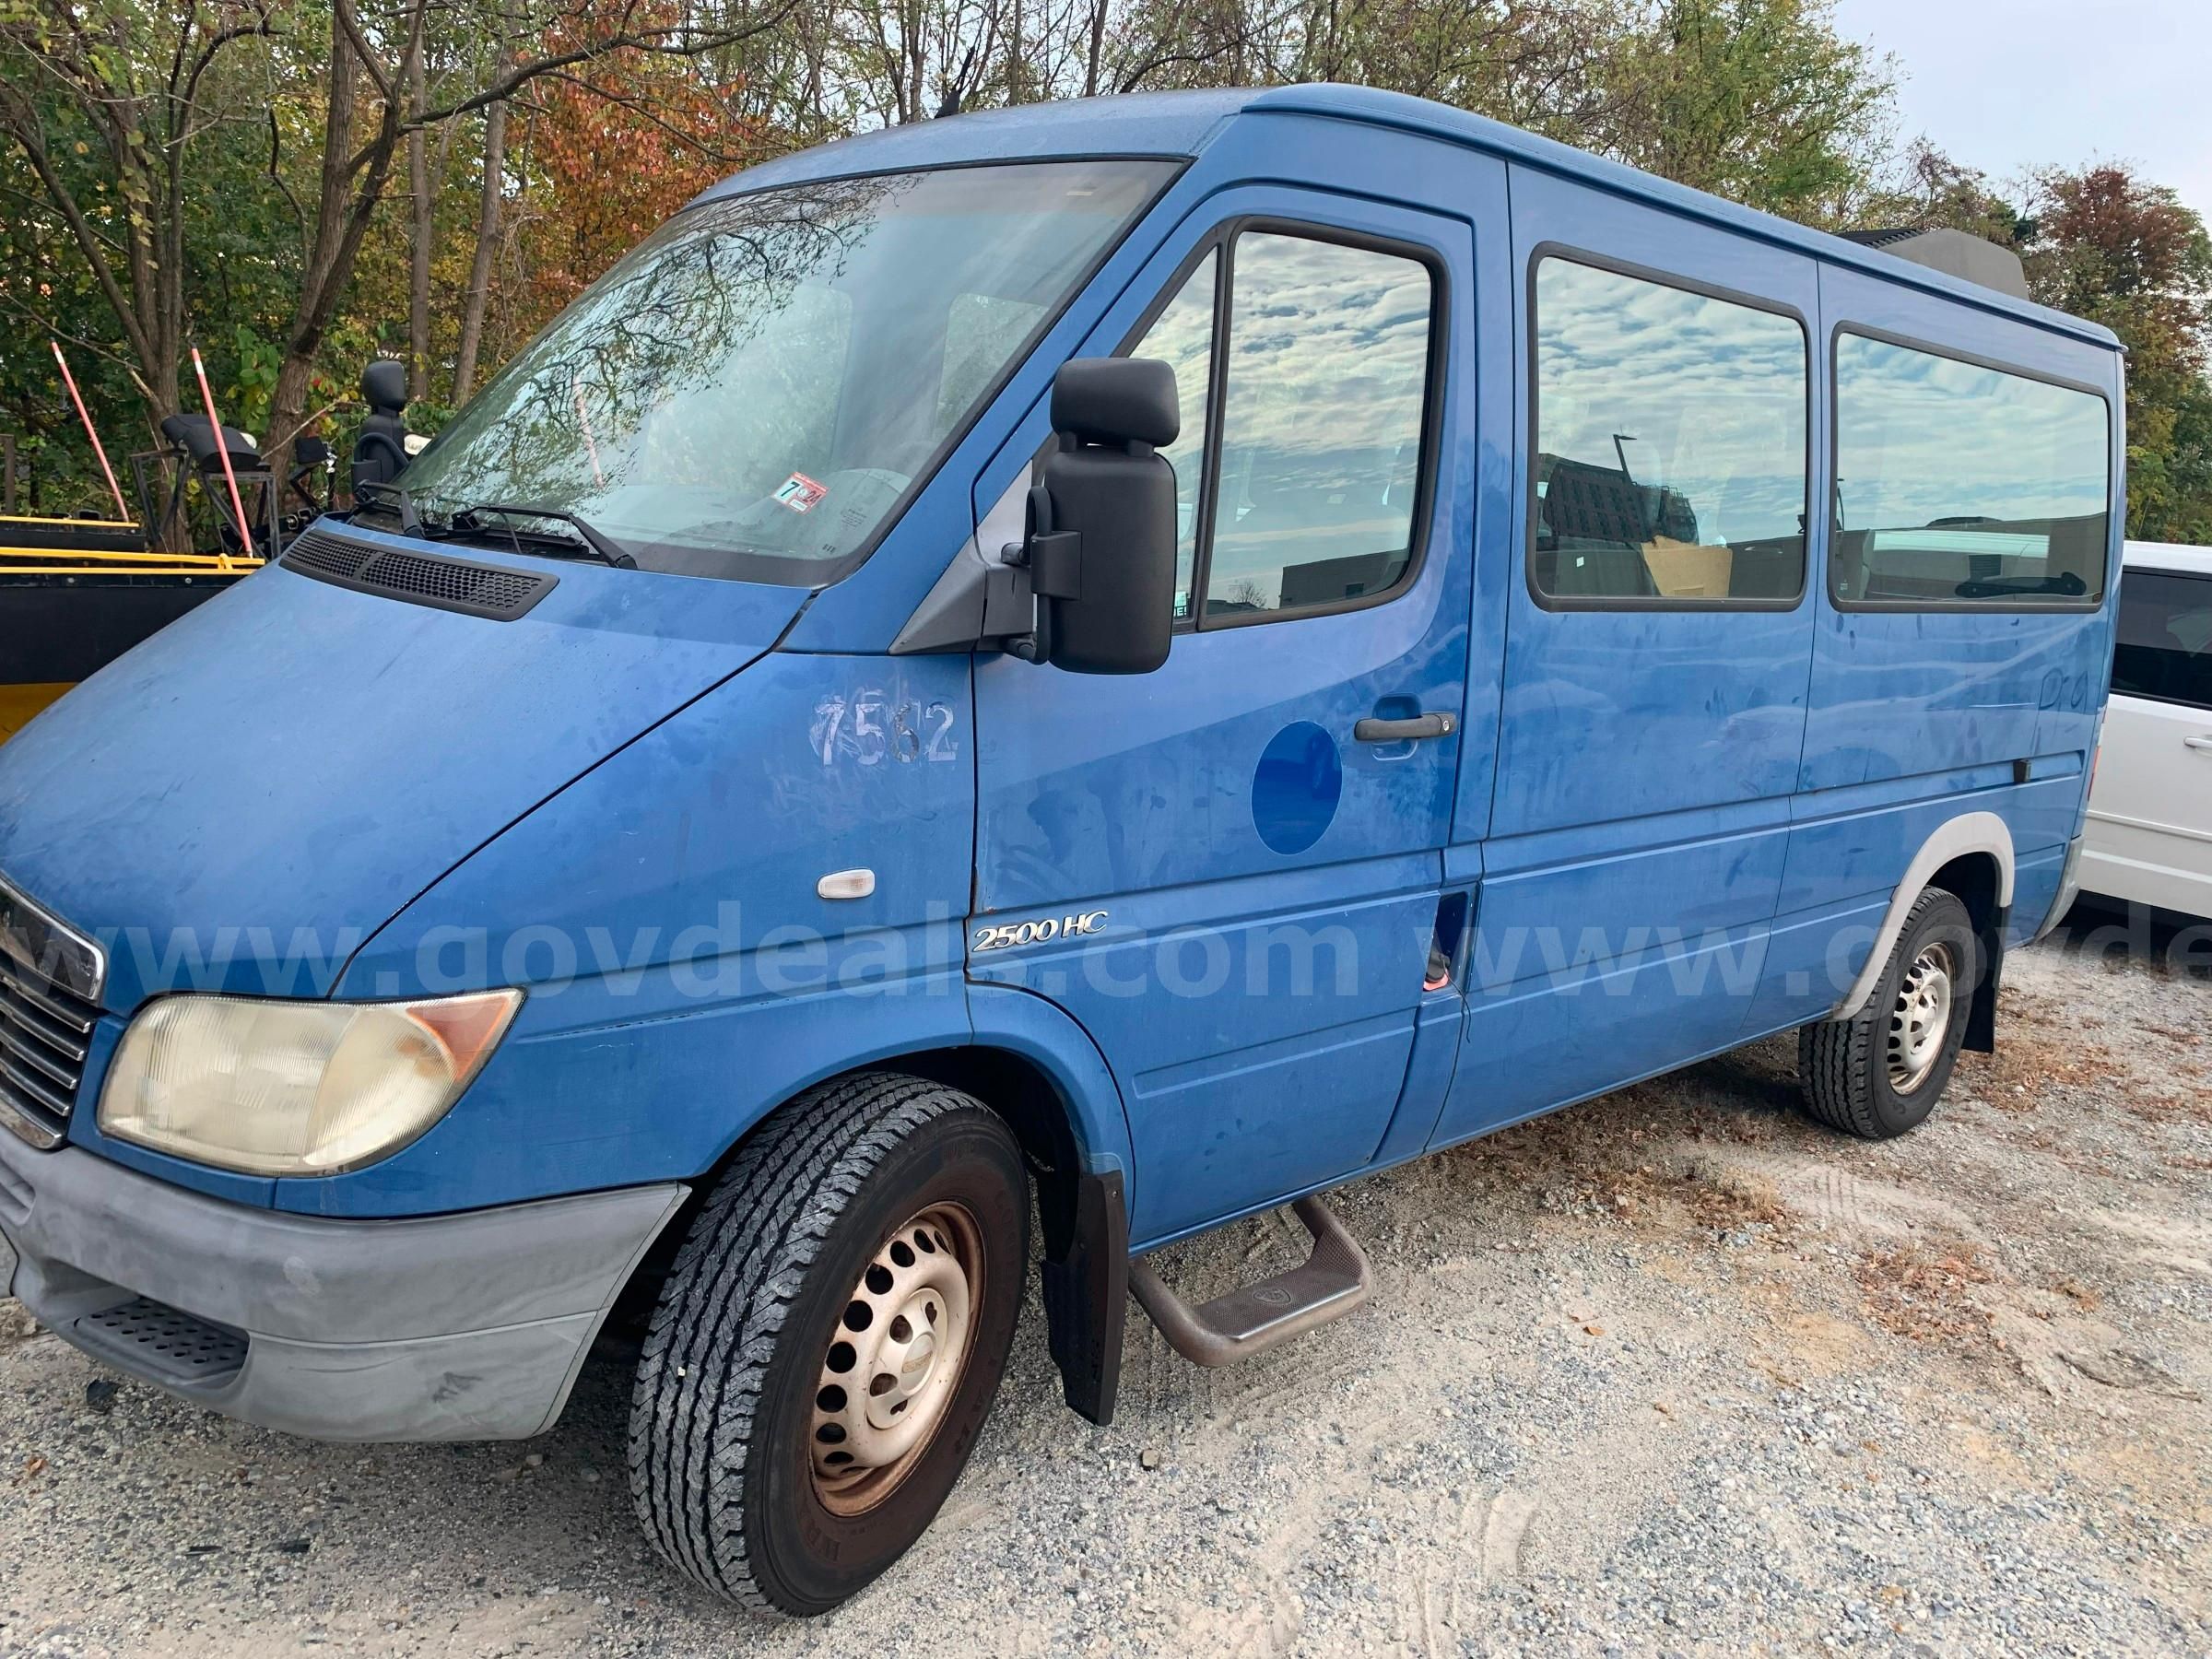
[1671, 449]
[1962, 485]
[2165, 650]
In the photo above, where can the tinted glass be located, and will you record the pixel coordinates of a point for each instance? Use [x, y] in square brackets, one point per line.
[1670, 443]
[2165, 650]
[753, 392]
[1321, 424]
[1182, 335]
[1960, 484]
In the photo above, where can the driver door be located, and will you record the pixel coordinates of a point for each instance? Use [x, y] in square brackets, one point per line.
[1225, 869]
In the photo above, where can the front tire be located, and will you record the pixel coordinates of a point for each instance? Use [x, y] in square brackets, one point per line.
[1881, 1072]
[829, 1340]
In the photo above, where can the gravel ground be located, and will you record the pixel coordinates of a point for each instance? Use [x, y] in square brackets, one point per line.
[1675, 1371]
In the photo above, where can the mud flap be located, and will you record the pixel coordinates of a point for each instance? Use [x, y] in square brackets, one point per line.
[1087, 1289]
[1981, 1018]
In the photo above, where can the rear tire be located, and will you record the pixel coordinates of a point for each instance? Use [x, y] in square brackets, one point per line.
[875, 1232]
[1881, 1072]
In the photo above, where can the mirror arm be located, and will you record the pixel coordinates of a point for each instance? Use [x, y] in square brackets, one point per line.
[1047, 564]
[1010, 595]
[1054, 559]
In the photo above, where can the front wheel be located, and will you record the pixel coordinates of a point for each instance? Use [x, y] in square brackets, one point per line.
[829, 1341]
[1881, 1072]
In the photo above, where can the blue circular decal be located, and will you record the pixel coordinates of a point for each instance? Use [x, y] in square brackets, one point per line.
[1294, 792]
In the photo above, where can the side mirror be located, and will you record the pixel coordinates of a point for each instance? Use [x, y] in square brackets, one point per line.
[1100, 546]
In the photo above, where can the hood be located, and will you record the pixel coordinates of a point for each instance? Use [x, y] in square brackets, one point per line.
[240, 802]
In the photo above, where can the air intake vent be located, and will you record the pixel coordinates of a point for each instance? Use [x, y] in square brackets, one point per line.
[454, 584]
[151, 1338]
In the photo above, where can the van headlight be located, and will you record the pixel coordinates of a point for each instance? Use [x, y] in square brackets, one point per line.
[294, 1088]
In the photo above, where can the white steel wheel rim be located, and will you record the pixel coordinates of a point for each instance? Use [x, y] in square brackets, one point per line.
[895, 1358]
[1922, 1017]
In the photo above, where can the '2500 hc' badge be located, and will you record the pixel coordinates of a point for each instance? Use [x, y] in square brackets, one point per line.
[1038, 932]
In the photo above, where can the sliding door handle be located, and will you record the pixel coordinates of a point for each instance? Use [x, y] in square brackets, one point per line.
[1372, 730]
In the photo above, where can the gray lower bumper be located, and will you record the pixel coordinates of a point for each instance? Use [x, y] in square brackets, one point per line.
[453, 1327]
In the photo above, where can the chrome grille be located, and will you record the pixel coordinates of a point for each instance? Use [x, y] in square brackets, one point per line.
[49, 984]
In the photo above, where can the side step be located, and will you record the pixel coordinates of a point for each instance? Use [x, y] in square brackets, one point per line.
[1253, 1318]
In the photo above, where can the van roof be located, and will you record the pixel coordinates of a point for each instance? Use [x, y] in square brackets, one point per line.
[1184, 123]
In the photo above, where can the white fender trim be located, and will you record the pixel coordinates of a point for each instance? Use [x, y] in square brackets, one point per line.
[1969, 833]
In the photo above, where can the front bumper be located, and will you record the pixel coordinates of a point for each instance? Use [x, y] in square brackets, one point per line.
[454, 1327]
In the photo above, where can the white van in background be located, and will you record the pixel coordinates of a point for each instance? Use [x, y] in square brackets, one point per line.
[2150, 810]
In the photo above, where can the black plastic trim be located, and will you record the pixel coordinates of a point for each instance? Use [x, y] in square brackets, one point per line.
[1086, 1289]
[302, 559]
[181, 1350]
[1980, 1036]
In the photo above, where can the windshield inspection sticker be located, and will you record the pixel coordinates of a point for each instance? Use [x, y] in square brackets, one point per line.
[801, 493]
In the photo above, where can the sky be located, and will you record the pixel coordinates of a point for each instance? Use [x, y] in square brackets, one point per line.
[2008, 85]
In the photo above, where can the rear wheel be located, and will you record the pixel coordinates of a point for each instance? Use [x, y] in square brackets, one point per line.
[1881, 1072]
[829, 1341]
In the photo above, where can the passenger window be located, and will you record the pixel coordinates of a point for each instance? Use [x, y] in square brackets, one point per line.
[2165, 650]
[1957, 484]
[1182, 335]
[1671, 445]
[1322, 402]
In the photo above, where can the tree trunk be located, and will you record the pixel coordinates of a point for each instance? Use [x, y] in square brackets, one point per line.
[487, 242]
[350, 189]
[419, 274]
[1098, 48]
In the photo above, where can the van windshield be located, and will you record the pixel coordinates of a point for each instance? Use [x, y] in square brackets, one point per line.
[757, 389]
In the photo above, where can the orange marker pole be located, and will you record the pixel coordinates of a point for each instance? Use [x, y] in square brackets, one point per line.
[246, 531]
[589, 445]
[76, 398]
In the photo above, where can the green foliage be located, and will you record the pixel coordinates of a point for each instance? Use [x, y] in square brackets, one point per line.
[1758, 101]
[2108, 245]
[254, 380]
[1764, 101]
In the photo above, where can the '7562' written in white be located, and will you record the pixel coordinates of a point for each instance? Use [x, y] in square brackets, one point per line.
[873, 726]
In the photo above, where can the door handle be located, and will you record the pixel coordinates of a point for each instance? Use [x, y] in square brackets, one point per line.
[1372, 730]
[2194, 742]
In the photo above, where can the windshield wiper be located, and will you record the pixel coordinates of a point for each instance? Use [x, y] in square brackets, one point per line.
[597, 544]
[2065, 585]
[402, 504]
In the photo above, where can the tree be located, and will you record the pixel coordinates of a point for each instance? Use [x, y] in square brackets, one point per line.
[2119, 251]
[1758, 101]
[1938, 193]
[301, 184]
[134, 79]
[2105, 244]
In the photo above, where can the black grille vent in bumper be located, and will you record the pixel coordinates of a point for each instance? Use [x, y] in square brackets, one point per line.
[153, 1339]
[50, 983]
[431, 579]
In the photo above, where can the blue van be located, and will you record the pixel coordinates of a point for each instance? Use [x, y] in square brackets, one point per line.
[1149, 656]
